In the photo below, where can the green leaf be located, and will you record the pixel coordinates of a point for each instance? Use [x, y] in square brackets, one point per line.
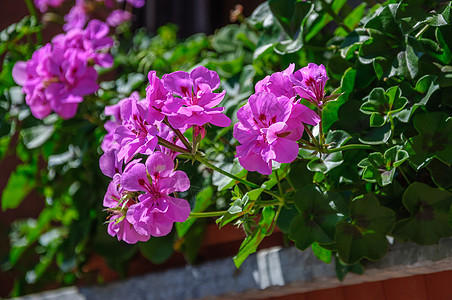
[337, 138]
[299, 176]
[412, 14]
[381, 103]
[327, 162]
[352, 19]
[16, 31]
[316, 220]
[381, 168]
[290, 14]
[228, 65]
[289, 46]
[321, 253]
[330, 111]
[20, 183]
[203, 201]
[430, 212]
[377, 120]
[240, 207]
[324, 19]
[36, 136]
[273, 180]
[384, 22]
[272, 34]
[127, 84]
[158, 249]
[364, 235]
[425, 87]
[260, 15]
[287, 214]
[252, 241]
[377, 135]
[352, 42]
[225, 39]
[342, 269]
[434, 139]
[441, 174]
[192, 240]
[224, 182]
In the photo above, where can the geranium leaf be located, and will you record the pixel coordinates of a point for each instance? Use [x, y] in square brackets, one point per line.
[250, 244]
[364, 235]
[316, 220]
[434, 139]
[430, 209]
[290, 14]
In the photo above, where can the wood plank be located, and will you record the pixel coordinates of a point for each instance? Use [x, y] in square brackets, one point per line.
[409, 288]
[439, 285]
[365, 291]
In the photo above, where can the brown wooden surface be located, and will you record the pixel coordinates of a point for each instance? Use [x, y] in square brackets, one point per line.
[435, 286]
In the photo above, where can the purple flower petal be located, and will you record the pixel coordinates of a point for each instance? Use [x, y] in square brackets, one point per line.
[135, 178]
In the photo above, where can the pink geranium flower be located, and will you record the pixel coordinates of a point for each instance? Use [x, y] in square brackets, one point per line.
[90, 43]
[137, 132]
[43, 5]
[77, 16]
[118, 224]
[117, 200]
[156, 211]
[158, 97]
[114, 111]
[194, 99]
[53, 81]
[34, 77]
[278, 83]
[310, 83]
[268, 130]
[61, 73]
[117, 17]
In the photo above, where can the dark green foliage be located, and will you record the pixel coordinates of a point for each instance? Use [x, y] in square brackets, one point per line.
[429, 214]
[384, 166]
[316, 220]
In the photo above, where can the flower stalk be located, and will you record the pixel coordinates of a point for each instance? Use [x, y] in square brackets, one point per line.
[202, 160]
[31, 8]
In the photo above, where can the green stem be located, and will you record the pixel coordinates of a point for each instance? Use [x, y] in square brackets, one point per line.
[348, 147]
[290, 183]
[179, 135]
[269, 203]
[279, 185]
[404, 176]
[201, 159]
[172, 146]
[326, 6]
[391, 120]
[275, 220]
[306, 142]
[32, 10]
[274, 195]
[207, 214]
[321, 135]
[309, 147]
[311, 135]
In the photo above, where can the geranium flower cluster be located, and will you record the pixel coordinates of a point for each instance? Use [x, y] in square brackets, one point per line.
[271, 123]
[138, 198]
[84, 10]
[43, 5]
[61, 73]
